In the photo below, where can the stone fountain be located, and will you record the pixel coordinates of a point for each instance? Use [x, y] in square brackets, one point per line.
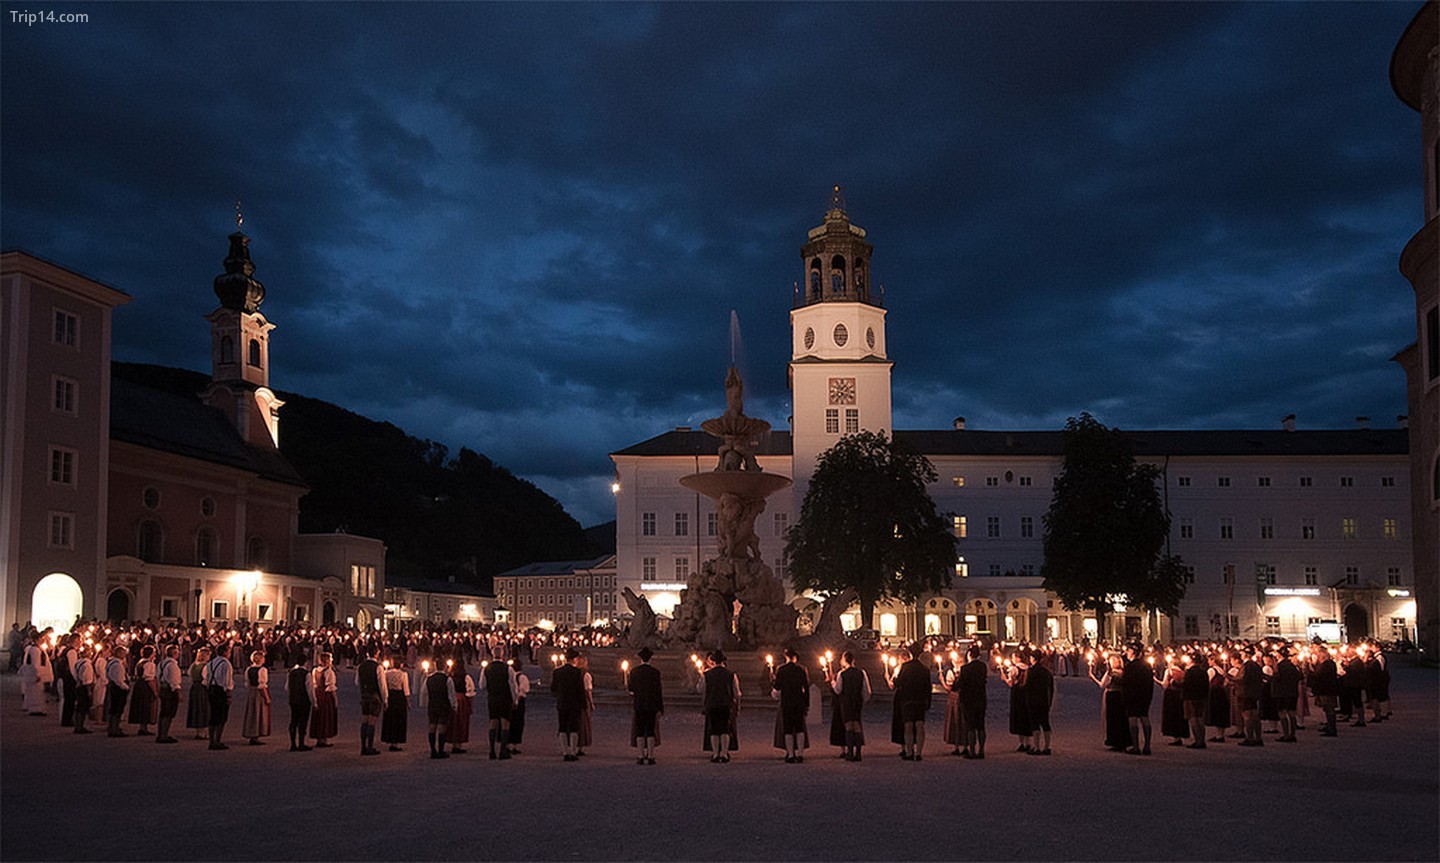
[737, 573]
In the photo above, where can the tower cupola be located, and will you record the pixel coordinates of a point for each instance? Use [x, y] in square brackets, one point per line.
[837, 259]
[237, 287]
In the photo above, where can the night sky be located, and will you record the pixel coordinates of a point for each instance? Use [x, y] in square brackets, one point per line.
[522, 228]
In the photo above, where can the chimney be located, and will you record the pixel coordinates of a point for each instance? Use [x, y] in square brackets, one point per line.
[959, 424]
[1362, 423]
[1287, 422]
[1403, 421]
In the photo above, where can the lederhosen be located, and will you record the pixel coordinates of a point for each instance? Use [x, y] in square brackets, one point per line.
[438, 710]
[169, 698]
[219, 695]
[299, 697]
[115, 696]
[498, 698]
[720, 705]
[369, 676]
[82, 694]
[850, 700]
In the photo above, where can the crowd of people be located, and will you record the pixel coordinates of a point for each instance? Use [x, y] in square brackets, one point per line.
[136, 675]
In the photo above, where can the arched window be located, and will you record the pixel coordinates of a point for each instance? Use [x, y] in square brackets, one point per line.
[227, 349]
[255, 552]
[150, 541]
[255, 352]
[205, 546]
[837, 274]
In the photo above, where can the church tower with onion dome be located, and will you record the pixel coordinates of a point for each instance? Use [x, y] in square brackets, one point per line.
[240, 349]
[839, 372]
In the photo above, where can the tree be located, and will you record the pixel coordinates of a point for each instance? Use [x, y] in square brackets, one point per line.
[868, 522]
[1106, 527]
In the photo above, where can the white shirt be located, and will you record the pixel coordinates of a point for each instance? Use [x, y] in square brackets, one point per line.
[115, 673]
[396, 678]
[219, 672]
[522, 686]
[83, 671]
[170, 673]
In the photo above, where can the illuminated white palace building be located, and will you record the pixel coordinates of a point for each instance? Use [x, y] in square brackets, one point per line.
[1280, 528]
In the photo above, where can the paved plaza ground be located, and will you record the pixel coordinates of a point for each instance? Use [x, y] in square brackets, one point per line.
[1371, 794]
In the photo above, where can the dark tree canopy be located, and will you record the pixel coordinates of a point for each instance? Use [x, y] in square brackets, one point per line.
[1106, 527]
[868, 522]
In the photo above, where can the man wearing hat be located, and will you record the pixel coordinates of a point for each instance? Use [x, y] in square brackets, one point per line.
[643, 683]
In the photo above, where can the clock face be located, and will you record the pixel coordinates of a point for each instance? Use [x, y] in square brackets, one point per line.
[809, 338]
[842, 391]
[870, 337]
[842, 335]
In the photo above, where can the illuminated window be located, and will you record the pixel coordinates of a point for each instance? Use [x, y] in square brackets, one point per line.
[1390, 529]
[958, 525]
[1399, 631]
[957, 481]
[962, 569]
[1348, 528]
[1272, 625]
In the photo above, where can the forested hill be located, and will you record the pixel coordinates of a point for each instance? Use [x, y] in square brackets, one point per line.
[440, 515]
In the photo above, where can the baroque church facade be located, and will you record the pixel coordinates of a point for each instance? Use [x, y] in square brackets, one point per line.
[1280, 528]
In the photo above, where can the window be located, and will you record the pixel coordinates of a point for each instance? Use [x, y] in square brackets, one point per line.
[62, 466]
[712, 524]
[64, 395]
[782, 523]
[170, 606]
[1187, 528]
[255, 552]
[1307, 528]
[1265, 572]
[1390, 529]
[1432, 327]
[958, 525]
[1272, 624]
[219, 609]
[962, 569]
[1192, 625]
[1025, 480]
[647, 524]
[149, 541]
[1347, 482]
[957, 481]
[1027, 527]
[1352, 575]
[779, 567]
[1348, 529]
[150, 497]
[992, 481]
[1227, 528]
[682, 524]
[1387, 482]
[682, 568]
[227, 350]
[852, 420]
[1182, 481]
[205, 546]
[207, 507]
[1312, 576]
[67, 329]
[1227, 574]
[1027, 569]
[1392, 576]
[1233, 625]
[994, 569]
[1223, 482]
[992, 527]
[832, 420]
[62, 530]
[362, 579]
[262, 611]
[1262, 481]
[1306, 481]
[1267, 528]
[1188, 574]
[1310, 620]
[1398, 630]
[255, 352]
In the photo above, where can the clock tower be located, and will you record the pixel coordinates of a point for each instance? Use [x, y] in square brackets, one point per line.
[240, 350]
[839, 373]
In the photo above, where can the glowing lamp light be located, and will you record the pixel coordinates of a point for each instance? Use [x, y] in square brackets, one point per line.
[614, 488]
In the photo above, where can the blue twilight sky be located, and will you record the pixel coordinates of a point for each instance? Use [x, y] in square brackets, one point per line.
[521, 228]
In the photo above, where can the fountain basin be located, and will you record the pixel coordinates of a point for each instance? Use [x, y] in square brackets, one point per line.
[748, 484]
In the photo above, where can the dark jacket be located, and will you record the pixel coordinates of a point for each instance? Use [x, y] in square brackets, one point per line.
[792, 681]
[568, 685]
[912, 683]
[644, 684]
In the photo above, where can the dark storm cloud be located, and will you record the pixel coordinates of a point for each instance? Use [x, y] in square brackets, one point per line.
[522, 228]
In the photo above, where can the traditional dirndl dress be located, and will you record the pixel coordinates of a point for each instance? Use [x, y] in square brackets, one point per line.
[257, 707]
[197, 705]
[394, 724]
